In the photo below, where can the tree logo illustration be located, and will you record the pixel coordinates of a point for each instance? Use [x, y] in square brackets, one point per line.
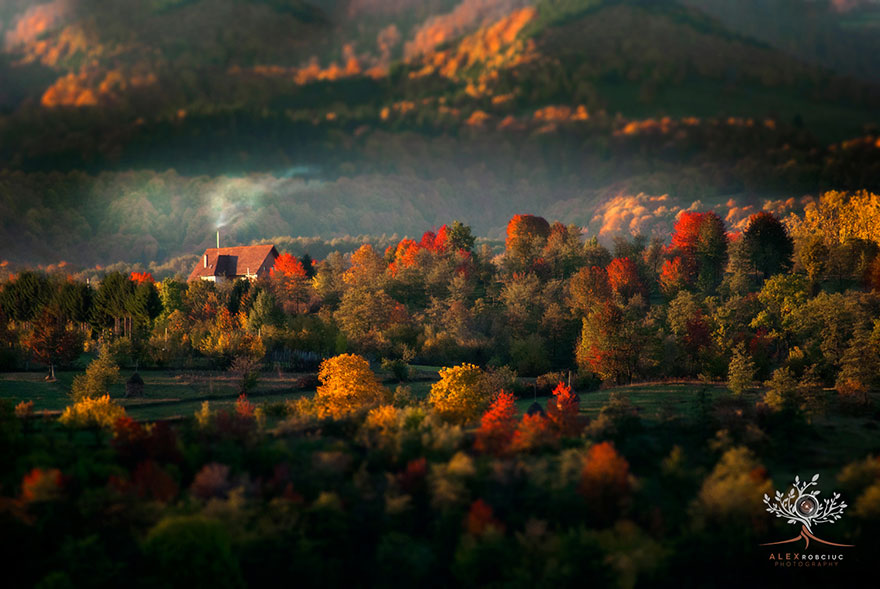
[803, 506]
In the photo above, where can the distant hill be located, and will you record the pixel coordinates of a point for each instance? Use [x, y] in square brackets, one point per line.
[388, 116]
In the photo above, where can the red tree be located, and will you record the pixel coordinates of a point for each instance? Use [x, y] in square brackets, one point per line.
[605, 480]
[481, 518]
[526, 236]
[676, 274]
[142, 277]
[497, 425]
[623, 277]
[534, 431]
[290, 265]
[563, 409]
[700, 241]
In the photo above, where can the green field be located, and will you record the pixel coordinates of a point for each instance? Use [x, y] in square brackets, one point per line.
[167, 394]
[176, 394]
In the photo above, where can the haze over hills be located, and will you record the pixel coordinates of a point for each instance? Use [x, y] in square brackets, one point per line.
[135, 127]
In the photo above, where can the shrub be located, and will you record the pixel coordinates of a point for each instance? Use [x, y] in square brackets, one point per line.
[398, 368]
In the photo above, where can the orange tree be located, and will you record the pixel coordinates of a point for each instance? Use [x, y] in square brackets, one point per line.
[347, 386]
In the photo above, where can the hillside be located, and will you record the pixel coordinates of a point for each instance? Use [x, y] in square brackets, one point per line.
[372, 117]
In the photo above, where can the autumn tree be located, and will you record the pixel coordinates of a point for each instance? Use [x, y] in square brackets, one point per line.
[290, 283]
[533, 432]
[732, 492]
[52, 341]
[588, 288]
[563, 410]
[676, 274]
[839, 216]
[701, 242]
[605, 481]
[348, 385]
[367, 269]
[461, 394]
[526, 237]
[564, 252]
[612, 341]
[227, 338]
[497, 425]
[624, 279]
[99, 412]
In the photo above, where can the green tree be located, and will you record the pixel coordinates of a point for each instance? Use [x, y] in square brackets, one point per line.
[459, 237]
[23, 297]
[782, 390]
[73, 300]
[741, 371]
[113, 300]
[99, 375]
[171, 293]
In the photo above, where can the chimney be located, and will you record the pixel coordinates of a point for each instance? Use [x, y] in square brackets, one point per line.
[205, 260]
[218, 239]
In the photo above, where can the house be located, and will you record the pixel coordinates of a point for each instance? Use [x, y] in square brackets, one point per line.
[219, 264]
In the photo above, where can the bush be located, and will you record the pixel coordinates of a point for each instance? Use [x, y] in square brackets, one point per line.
[398, 368]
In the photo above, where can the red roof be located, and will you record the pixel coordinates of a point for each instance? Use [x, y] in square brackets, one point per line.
[232, 262]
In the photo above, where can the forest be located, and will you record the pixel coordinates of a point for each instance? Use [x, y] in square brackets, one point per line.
[559, 405]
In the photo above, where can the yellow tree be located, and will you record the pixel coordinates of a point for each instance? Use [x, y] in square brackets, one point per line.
[101, 412]
[461, 394]
[347, 386]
